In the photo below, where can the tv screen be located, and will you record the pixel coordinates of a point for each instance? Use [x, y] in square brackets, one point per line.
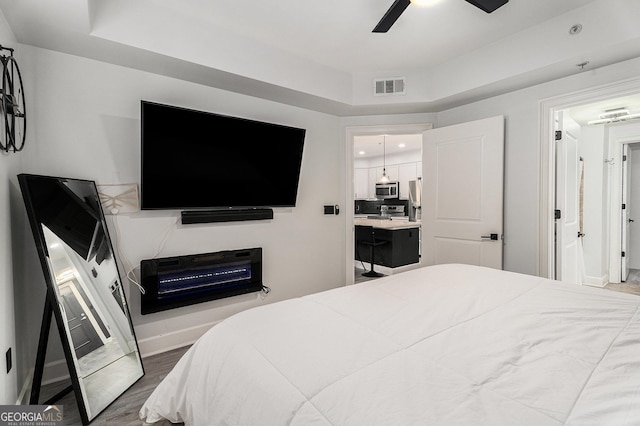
[201, 160]
[66, 208]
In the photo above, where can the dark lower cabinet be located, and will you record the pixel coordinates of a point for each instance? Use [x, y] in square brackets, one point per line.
[393, 247]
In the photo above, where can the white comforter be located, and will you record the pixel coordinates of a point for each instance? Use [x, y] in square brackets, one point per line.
[442, 345]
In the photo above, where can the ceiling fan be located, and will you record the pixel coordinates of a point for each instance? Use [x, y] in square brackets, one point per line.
[399, 6]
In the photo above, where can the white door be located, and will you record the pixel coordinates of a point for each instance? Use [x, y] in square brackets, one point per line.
[626, 211]
[462, 202]
[568, 251]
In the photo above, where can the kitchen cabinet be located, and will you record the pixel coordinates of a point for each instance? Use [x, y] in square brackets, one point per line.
[365, 179]
[373, 178]
[406, 173]
[361, 187]
[401, 242]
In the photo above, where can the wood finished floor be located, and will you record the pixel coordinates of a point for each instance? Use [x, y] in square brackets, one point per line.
[124, 410]
[631, 285]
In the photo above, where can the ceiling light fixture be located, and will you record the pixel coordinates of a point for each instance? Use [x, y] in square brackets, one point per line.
[615, 113]
[614, 116]
[384, 178]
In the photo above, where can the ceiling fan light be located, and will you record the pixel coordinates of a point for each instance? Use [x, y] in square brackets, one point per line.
[614, 116]
[615, 113]
[425, 3]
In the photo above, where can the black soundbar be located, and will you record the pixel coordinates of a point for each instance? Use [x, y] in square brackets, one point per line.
[230, 215]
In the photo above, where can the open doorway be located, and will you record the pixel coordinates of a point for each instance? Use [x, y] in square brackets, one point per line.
[547, 194]
[402, 164]
[599, 186]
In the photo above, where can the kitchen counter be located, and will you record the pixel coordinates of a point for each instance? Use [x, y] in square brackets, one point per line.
[397, 242]
[386, 223]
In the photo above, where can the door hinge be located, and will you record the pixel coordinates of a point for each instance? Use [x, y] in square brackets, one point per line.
[558, 214]
[558, 135]
[624, 206]
[624, 158]
[624, 254]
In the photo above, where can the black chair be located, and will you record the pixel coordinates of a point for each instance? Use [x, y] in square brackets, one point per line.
[366, 235]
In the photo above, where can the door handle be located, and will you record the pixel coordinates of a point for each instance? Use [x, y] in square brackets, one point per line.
[493, 237]
[631, 220]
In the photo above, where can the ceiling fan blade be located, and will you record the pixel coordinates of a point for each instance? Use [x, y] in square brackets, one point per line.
[488, 5]
[391, 16]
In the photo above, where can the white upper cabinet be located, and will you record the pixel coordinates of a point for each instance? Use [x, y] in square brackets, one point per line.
[406, 172]
[361, 187]
[365, 179]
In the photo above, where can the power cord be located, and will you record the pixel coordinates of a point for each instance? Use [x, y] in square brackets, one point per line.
[164, 240]
[264, 292]
[127, 266]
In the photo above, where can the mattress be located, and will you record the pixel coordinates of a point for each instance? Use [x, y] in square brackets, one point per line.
[440, 345]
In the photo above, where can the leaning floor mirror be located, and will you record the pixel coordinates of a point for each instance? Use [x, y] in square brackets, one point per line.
[84, 291]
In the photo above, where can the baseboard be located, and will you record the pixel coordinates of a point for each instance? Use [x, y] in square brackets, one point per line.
[26, 389]
[177, 339]
[596, 281]
[57, 371]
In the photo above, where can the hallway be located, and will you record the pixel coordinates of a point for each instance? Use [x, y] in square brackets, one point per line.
[632, 285]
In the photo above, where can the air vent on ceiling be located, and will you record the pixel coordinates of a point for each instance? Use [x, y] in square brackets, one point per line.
[390, 86]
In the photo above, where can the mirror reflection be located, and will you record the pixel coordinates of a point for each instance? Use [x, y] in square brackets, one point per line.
[87, 287]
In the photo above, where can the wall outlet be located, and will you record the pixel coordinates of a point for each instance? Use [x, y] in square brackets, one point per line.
[8, 358]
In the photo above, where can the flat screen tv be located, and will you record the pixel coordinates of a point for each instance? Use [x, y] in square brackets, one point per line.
[201, 160]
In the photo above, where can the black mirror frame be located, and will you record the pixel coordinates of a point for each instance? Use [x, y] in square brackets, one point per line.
[52, 305]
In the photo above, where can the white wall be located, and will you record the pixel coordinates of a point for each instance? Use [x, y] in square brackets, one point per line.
[522, 152]
[9, 164]
[87, 125]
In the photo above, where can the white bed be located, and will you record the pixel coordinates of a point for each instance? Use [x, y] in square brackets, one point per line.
[442, 345]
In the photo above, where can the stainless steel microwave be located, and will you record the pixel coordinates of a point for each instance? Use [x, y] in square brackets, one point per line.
[387, 190]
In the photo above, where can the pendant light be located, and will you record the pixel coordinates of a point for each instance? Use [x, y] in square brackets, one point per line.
[384, 178]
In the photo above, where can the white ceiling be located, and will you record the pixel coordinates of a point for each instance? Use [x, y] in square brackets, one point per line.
[379, 145]
[323, 55]
[337, 33]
